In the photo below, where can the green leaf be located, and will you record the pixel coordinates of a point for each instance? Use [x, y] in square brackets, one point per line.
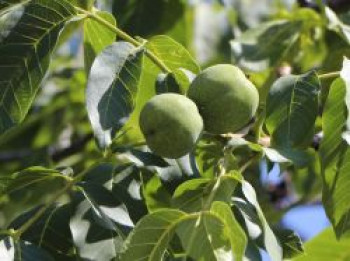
[208, 153]
[291, 242]
[141, 158]
[274, 156]
[345, 75]
[193, 195]
[155, 194]
[336, 25]
[97, 222]
[85, 4]
[173, 54]
[7, 248]
[53, 224]
[204, 237]
[97, 37]
[232, 228]
[8, 5]
[28, 37]
[291, 110]
[28, 188]
[22, 250]
[263, 47]
[339, 48]
[272, 246]
[151, 236]
[71, 27]
[167, 83]
[335, 155]
[326, 247]
[112, 88]
[148, 17]
[127, 188]
[177, 82]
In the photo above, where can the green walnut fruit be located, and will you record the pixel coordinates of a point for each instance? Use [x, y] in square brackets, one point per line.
[226, 99]
[171, 125]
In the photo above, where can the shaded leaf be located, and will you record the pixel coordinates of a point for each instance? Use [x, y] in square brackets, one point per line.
[22, 250]
[177, 81]
[98, 223]
[291, 110]
[51, 232]
[127, 188]
[167, 83]
[335, 24]
[290, 242]
[28, 37]
[101, 173]
[263, 47]
[140, 157]
[112, 88]
[155, 194]
[147, 17]
[27, 189]
[273, 247]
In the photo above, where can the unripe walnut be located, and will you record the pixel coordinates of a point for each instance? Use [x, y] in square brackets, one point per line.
[226, 99]
[171, 125]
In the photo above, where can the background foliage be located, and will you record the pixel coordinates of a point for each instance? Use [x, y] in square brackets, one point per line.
[77, 179]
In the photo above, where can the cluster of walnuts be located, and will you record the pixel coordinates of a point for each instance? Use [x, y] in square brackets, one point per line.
[219, 100]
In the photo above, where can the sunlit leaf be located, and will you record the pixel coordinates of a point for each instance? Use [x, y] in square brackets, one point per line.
[204, 237]
[208, 153]
[7, 5]
[194, 194]
[112, 88]
[150, 238]
[234, 231]
[335, 155]
[173, 54]
[325, 247]
[345, 75]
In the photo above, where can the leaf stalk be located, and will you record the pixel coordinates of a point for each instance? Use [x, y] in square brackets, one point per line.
[329, 75]
[123, 35]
